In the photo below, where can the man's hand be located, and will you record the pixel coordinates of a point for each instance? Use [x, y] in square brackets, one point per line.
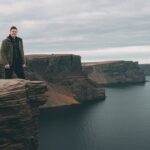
[7, 66]
[24, 66]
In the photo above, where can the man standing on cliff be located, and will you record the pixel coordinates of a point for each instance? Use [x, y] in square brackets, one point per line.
[12, 55]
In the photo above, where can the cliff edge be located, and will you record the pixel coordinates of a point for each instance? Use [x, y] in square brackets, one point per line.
[19, 107]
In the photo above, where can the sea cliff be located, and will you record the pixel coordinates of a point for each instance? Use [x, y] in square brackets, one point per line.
[114, 72]
[19, 108]
[67, 84]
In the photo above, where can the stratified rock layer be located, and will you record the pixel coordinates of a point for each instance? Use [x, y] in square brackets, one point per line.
[19, 108]
[55, 67]
[114, 72]
[65, 79]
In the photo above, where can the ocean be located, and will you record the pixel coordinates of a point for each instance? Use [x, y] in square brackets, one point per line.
[120, 122]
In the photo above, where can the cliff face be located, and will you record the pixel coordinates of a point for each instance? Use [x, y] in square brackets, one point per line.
[146, 68]
[19, 107]
[65, 79]
[54, 68]
[114, 72]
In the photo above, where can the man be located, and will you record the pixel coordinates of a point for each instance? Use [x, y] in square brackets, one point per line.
[12, 55]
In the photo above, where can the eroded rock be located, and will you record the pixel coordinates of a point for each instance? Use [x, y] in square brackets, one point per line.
[64, 73]
[114, 72]
[19, 108]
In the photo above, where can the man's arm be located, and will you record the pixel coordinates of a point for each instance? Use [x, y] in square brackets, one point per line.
[3, 53]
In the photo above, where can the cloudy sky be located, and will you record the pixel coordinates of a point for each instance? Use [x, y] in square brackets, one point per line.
[95, 29]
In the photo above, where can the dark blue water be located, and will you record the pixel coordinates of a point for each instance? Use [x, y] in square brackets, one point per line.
[121, 122]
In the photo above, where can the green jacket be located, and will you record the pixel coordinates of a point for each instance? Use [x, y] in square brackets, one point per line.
[6, 51]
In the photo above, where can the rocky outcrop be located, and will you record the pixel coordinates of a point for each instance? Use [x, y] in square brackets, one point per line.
[55, 67]
[146, 68]
[65, 79]
[19, 108]
[114, 72]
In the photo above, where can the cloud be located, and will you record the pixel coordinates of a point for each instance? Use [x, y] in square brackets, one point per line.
[130, 53]
[78, 25]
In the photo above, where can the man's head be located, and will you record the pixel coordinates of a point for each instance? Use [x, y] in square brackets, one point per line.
[13, 31]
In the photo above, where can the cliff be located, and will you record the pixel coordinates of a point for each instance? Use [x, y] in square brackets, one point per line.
[55, 67]
[65, 79]
[19, 107]
[114, 72]
[146, 68]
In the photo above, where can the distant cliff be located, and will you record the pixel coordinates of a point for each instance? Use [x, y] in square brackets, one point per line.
[146, 68]
[19, 102]
[65, 79]
[114, 72]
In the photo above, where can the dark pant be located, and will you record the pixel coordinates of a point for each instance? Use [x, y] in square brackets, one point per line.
[17, 68]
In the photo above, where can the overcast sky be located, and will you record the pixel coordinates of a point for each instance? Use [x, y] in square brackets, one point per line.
[95, 29]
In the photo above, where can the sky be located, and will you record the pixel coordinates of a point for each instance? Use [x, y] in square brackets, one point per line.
[98, 30]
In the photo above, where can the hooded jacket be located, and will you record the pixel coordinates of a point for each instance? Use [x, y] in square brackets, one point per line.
[6, 51]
